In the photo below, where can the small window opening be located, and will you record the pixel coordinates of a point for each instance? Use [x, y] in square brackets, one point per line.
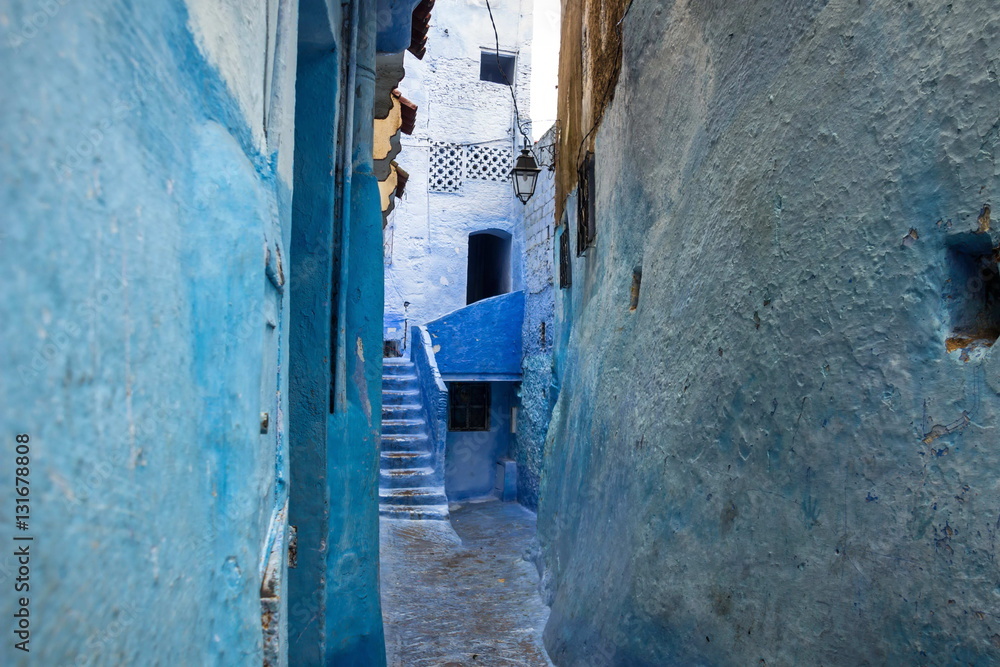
[972, 293]
[469, 406]
[585, 223]
[565, 269]
[636, 283]
[496, 67]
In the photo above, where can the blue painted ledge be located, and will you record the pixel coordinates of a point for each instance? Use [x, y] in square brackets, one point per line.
[433, 395]
[481, 341]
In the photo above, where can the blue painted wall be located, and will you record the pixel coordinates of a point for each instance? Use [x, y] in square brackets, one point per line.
[482, 339]
[775, 459]
[470, 462]
[141, 336]
[354, 618]
[315, 244]
[335, 614]
[162, 303]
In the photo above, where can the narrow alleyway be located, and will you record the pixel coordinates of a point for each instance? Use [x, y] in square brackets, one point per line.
[460, 592]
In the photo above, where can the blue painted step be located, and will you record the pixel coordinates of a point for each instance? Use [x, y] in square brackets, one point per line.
[393, 460]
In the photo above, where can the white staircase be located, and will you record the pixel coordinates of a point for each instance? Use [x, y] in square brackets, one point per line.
[408, 485]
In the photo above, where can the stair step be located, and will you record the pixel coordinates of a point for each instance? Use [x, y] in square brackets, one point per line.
[400, 396]
[403, 472]
[404, 436]
[406, 421]
[399, 383]
[405, 442]
[405, 411]
[411, 427]
[427, 495]
[431, 512]
[398, 478]
[405, 460]
[402, 377]
[405, 368]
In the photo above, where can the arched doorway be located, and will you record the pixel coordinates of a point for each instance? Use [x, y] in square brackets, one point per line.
[489, 265]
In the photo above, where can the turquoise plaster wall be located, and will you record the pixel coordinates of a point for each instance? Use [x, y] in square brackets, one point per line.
[138, 213]
[335, 611]
[775, 459]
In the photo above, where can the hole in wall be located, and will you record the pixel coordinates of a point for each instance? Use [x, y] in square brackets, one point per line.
[972, 292]
[636, 284]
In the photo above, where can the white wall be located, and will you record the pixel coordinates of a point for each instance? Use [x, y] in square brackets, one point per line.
[427, 233]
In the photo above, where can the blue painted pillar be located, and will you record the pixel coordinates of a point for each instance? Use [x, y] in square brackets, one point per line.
[314, 247]
[354, 620]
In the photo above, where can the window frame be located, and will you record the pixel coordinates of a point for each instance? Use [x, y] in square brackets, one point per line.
[486, 406]
[565, 262]
[586, 227]
[495, 61]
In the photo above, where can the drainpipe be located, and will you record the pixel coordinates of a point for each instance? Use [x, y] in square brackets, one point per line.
[347, 168]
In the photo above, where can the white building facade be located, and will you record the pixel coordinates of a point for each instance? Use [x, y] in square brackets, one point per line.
[456, 235]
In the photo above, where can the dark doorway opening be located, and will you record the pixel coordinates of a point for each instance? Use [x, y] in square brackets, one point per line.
[489, 265]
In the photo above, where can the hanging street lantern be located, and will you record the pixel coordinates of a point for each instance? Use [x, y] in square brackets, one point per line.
[525, 175]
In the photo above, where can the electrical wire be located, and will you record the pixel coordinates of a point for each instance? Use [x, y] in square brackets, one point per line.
[517, 114]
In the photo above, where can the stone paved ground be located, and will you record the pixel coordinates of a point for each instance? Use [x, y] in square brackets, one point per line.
[460, 593]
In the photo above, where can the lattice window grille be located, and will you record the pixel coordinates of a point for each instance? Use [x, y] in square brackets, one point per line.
[488, 163]
[446, 167]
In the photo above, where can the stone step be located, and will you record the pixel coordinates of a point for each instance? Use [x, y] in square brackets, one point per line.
[400, 396]
[403, 367]
[399, 478]
[406, 443]
[390, 460]
[405, 411]
[427, 495]
[399, 381]
[429, 512]
[411, 426]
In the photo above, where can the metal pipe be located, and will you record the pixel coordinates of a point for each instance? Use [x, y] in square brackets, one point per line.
[347, 169]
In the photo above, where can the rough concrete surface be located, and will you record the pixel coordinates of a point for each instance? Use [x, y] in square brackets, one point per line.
[460, 593]
[536, 392]
[775, 459]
